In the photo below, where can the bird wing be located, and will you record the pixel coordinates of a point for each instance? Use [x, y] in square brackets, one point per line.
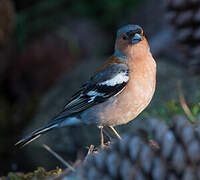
[105, 84]
[99, 88]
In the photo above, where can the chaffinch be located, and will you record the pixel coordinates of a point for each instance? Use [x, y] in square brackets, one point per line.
[117, 93]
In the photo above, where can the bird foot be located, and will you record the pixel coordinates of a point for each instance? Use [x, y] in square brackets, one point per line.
[102, 146]
[105, 145]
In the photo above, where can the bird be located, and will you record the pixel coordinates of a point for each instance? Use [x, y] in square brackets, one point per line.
[116, 93]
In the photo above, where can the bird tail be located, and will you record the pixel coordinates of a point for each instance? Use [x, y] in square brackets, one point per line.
[59, 122]
[36, 134]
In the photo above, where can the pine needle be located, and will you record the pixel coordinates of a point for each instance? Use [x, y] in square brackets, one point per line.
[184, 104]
[58, 157]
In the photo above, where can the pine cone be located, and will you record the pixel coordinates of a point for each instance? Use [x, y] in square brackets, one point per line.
[177, 157]
[184, 15]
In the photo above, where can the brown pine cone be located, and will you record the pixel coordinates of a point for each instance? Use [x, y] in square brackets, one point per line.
[177, 157]
[184, 16]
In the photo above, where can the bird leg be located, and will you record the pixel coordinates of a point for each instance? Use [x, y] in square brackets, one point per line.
[114, 132]
[102, 137]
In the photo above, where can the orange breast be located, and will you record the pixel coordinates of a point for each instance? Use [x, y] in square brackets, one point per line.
[137, 94]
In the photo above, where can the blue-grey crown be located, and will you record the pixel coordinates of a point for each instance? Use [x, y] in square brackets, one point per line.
[127, 28]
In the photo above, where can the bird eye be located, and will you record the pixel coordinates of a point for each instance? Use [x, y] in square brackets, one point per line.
[125, 37]
[131, 34]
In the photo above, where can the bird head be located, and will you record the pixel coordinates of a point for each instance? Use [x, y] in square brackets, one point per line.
[129, 41]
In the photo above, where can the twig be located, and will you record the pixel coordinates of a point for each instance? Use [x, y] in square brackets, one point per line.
[184, 104]
[90, 150]
[58, 157]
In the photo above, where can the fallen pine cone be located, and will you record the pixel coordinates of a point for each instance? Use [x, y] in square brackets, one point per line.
[177, 155]
[184, 16]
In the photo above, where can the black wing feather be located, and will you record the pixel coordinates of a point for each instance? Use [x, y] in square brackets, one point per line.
[81, 100]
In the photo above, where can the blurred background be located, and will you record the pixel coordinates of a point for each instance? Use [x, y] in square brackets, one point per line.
[48, 48]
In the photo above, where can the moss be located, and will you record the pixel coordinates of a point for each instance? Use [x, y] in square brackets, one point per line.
[13, 176]
[41, 173]
[38, 174]
[167, 110]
